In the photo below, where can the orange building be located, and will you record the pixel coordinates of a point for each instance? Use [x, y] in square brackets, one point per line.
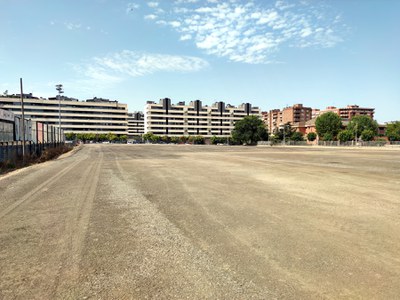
[350, 111]
[292, 114]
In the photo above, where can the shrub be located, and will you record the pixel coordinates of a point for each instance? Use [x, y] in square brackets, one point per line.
[311, 136]
[345, 136]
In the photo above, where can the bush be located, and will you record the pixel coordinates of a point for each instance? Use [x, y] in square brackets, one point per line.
[183, 139]
[367, 135]
[198, 140]
[328, 137]
[297, 136]
[174, 139]
[218, 140]
[311, 136]
[345, 136]
[393, 131]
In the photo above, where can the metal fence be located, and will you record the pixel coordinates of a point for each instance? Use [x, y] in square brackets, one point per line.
[352, 144]
[11, 152]
[330, 143]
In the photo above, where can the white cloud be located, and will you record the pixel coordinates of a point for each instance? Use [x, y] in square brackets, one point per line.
[152, 4]
[306, 32]
[150, 17]
[185, 37]
[72, 26]
[115, 67]
[175, 24]
[252, 32]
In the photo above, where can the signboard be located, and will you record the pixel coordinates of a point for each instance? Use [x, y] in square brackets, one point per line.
[6, 115]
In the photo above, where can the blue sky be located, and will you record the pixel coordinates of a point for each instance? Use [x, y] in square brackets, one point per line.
[269, 53]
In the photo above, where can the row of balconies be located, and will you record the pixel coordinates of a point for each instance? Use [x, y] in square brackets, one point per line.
[16, 101]
[63, 120]
[162, 117]
[64, 110]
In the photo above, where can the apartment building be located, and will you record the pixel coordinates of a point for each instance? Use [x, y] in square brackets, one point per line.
[355, 110]
[95, 115]
[348, 112]
[296, 113]
[165, 118]
[135, 124]
[291, 114]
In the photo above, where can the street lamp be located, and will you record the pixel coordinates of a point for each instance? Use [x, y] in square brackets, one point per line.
[60, 90]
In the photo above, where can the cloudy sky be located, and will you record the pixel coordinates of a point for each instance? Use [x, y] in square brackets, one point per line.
[269, 53]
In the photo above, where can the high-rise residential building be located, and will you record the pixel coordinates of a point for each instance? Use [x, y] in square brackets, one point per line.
[350, 111]
[95, 115]
[135, 124]
[165, 118]
[346, 113]
[272, 119]
[296, 113]
[292, 114]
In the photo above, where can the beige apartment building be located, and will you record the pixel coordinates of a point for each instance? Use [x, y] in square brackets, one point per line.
[95, 115]
[135, 124]
[165, 118]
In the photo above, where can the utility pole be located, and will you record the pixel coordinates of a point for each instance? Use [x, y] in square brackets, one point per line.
[59, 88]
[23, 120]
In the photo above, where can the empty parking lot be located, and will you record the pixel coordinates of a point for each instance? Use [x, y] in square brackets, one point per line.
[203, 222]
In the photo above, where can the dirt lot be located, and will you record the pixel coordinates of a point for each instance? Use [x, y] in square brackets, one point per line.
[203, 222]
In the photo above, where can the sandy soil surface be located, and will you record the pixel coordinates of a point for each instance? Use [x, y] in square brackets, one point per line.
[203, 222]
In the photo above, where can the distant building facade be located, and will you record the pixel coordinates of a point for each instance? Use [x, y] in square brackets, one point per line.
[95, 115]
[135, 124]
[348, 112]
[165, 118]
[295, 114]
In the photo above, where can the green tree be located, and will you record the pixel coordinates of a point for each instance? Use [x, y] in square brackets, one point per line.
[218, 140]
[297, 136]
[70, 136]
[148, 136]
[345, 135]
[311, 136]
[198, 140]
[328, 137]
[111, 137]
[393, 131]
[165, 139]
[155, 138]
[367, 135]
[101, 137]
[283, 132]
[360, 123]
[249, 130]
[174, 139]
[123, 138]
[183, 139]
[328, 123]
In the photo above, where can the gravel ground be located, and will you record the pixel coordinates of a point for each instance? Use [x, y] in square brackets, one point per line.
[203, 222]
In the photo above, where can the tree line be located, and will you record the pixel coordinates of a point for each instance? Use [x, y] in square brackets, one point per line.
[251, 129]
[93, 137]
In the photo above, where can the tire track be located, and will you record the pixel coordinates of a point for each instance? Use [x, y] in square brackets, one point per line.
[31, 195]
[68, 273]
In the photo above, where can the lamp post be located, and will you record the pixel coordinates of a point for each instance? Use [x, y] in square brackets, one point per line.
[60, 90]
[23, 120]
